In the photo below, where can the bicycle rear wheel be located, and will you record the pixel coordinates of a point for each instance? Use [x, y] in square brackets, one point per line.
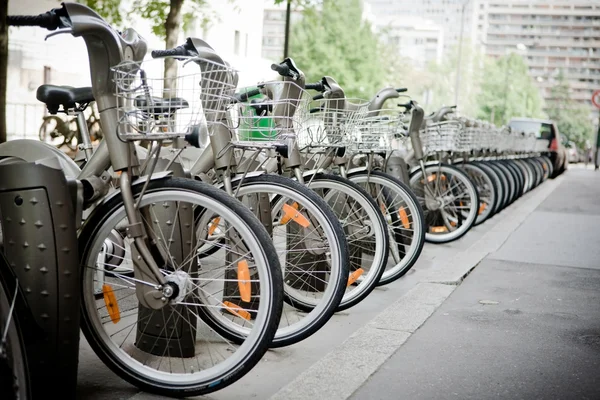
[174, 350]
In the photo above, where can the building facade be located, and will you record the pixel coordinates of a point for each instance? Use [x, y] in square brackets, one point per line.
[418, 40]
[447, 14]
[557, 34]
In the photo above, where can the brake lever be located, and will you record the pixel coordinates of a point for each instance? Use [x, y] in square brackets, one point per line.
[58, 32]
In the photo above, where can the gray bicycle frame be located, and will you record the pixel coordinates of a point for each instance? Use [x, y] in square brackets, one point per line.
[107, 48]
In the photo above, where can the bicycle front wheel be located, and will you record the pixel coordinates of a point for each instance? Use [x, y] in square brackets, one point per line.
[174, 350]
[404, 217]
[449, 200]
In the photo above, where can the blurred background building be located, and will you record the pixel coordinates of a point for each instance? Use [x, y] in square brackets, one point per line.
[557, 34]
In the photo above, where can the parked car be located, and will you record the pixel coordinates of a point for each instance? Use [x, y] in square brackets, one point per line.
[545, 130]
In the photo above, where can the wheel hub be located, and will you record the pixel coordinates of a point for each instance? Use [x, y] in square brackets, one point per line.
[179, 285]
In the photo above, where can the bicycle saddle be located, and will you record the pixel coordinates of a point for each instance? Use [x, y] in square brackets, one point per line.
[66, 96]
[160, 105]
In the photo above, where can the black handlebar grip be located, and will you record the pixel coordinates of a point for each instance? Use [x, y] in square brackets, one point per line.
[402, 90]
[243, 97]
[319, 87]
[452, 106]
[318, 97]
[177, 51]
[282, 69]
[49, 20]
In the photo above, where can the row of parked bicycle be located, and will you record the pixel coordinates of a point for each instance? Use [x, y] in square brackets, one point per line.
[254, 214]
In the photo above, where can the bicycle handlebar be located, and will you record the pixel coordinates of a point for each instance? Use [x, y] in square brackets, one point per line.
[243, 97]
[319, 97]
[318, 86]
[401, 90]
[177, 51]
[282, 69]
[49, 20]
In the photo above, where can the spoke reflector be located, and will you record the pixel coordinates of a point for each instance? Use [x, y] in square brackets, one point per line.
[213, 225]
[285, 219]
[111, 303]
[482, 208]
[237, 310]
[439, 229]
[355, 275]
[243, 274]
[404, 218]
[293, 214]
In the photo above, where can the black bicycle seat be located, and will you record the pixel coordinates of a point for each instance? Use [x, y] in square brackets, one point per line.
[161, 106]
[65, 96]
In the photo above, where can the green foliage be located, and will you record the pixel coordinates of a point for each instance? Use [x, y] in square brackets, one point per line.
[508, 91]
[155, 11]
[335, 41]
[572, 118]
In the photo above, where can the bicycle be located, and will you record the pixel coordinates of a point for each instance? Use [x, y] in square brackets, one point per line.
[144, 208]
[61, 132]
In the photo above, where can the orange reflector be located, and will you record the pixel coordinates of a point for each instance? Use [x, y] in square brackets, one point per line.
[438, 229]
[295, 215]
[237, 310]
[213, 225]
[453, 223]
[433, 177]
[111, 303]
[482, 208]
[382, 206]
[285, 219]
[243, 274]
[404, 218]
[355, 275]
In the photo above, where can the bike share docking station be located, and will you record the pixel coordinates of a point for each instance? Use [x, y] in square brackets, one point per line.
[39, 242]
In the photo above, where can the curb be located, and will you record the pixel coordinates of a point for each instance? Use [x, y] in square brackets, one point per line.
[342, 371]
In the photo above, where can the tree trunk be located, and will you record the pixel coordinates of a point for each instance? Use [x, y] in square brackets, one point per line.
[172, 28]
[3, 68]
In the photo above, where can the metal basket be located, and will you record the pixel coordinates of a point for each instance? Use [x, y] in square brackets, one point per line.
[152, 107]
[332, 122]
[384, 132]
[278, 116]
[442, 137]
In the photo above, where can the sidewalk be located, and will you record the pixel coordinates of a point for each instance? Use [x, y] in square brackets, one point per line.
[525, 324]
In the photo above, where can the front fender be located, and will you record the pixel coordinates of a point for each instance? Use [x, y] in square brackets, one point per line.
[33, 150]
[139, 181]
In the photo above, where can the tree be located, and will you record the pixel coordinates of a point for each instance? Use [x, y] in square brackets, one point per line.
[3, 68]
[167, 18]
[572, 118]
[508, 91]
[334, 40]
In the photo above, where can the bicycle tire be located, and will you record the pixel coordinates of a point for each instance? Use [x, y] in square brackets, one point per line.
[271, 291]
[284, 189]
[463, 225]
[415, 216]
[15, 379]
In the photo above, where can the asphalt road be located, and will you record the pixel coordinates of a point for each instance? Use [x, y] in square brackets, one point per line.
[525, 324]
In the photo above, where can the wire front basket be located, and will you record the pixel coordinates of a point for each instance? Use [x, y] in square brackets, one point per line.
[152, 107]
[279, 115]
[384, 132]
[442, 137]
[333, 122]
